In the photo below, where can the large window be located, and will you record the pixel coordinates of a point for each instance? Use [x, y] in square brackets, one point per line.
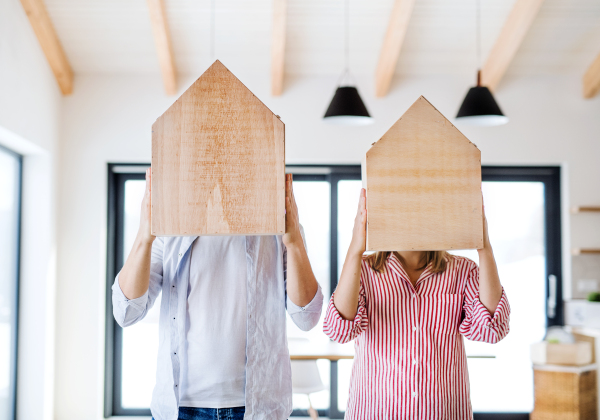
[523, 210]
[10, 210]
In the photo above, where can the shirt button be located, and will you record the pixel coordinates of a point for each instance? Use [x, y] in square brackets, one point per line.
[180, 256]
[414, 328]
[414, 361]
[304, 309]
[414, 393]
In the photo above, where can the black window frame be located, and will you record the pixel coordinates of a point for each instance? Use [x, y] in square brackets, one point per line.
[12, 386]
[550, 176]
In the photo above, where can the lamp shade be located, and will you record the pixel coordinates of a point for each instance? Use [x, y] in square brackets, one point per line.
[347, 108]
[480, 108]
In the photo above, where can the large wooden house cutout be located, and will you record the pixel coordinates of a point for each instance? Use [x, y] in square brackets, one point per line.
[218, 162]
[423, 181]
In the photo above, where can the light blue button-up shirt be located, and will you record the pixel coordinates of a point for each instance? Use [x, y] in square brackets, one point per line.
[268, 371]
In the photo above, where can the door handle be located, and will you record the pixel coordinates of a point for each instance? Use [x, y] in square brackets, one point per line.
[551, 304]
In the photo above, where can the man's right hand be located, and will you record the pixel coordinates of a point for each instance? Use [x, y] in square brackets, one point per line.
[144, 233]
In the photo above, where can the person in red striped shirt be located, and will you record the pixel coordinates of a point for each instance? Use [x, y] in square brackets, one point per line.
[408, 313]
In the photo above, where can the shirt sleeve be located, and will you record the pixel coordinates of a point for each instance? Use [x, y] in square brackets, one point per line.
[478, 324]
[129, 311]
[306, 317]
[343, 330]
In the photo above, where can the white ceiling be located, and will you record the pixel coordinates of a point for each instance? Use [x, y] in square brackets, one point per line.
[114, 36]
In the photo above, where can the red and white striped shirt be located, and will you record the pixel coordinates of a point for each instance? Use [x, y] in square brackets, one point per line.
[410, 360]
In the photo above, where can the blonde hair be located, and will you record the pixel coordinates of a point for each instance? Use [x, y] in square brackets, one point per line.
[438, 260]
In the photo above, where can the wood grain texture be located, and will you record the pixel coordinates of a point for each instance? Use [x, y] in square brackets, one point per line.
[278, 46]
[392, 44]
[591, 79]
[423, 181]
[508, 42]
[218, 162]
[164, 49]
[51, 46]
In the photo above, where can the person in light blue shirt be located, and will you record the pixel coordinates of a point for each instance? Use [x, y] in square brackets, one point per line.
[222, 332]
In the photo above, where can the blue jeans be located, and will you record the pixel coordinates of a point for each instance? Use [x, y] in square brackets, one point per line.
[192, 413]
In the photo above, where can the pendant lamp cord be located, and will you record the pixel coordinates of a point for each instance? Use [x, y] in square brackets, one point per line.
[346, 73]
[346, 36]
[212, 30]
[478, 35]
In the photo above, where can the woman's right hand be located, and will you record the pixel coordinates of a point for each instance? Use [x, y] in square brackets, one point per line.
[359, 232]
[144, 233]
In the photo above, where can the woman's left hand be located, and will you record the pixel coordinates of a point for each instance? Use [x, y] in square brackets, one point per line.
[292, 222]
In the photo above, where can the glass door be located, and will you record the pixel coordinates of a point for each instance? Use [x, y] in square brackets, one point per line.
[10, 211]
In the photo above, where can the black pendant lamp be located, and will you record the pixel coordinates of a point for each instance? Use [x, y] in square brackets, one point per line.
[479, 106]
[347, 107]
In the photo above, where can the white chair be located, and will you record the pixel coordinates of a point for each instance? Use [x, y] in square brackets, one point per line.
[306, 378]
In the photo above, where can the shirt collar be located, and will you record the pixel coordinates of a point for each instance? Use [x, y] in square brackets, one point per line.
[395, 265]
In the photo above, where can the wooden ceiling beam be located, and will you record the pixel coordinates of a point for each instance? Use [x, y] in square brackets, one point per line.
[162, 39]
[392, 44]
[278, 46]
[511, 36]
[591, 79]
[46, 35]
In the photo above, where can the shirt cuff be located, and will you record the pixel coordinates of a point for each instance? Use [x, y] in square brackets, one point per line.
[315, 305]
[138, 303]
[501, 314]
[341, 329]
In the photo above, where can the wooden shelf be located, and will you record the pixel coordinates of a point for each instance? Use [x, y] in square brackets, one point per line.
[585, 209]
[581, 251]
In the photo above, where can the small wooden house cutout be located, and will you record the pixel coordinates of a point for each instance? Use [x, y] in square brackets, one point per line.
[423, 181]
[218, 162]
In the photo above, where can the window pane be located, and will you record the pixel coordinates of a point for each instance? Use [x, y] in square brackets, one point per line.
[140, 341]
[313, 200]
[9, 230]
[515, 213]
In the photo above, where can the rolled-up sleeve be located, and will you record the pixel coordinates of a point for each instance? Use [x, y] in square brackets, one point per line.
[478, 324]
[129, 311]
[306, 317]
[343, 330]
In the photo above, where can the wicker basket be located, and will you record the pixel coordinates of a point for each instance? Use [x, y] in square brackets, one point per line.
[563, 393]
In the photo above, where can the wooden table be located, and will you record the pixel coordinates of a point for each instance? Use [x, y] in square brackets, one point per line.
[303, 349]
[330, 350]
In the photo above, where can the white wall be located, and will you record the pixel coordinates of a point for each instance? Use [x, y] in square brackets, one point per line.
[108, 119]
[29, 118]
